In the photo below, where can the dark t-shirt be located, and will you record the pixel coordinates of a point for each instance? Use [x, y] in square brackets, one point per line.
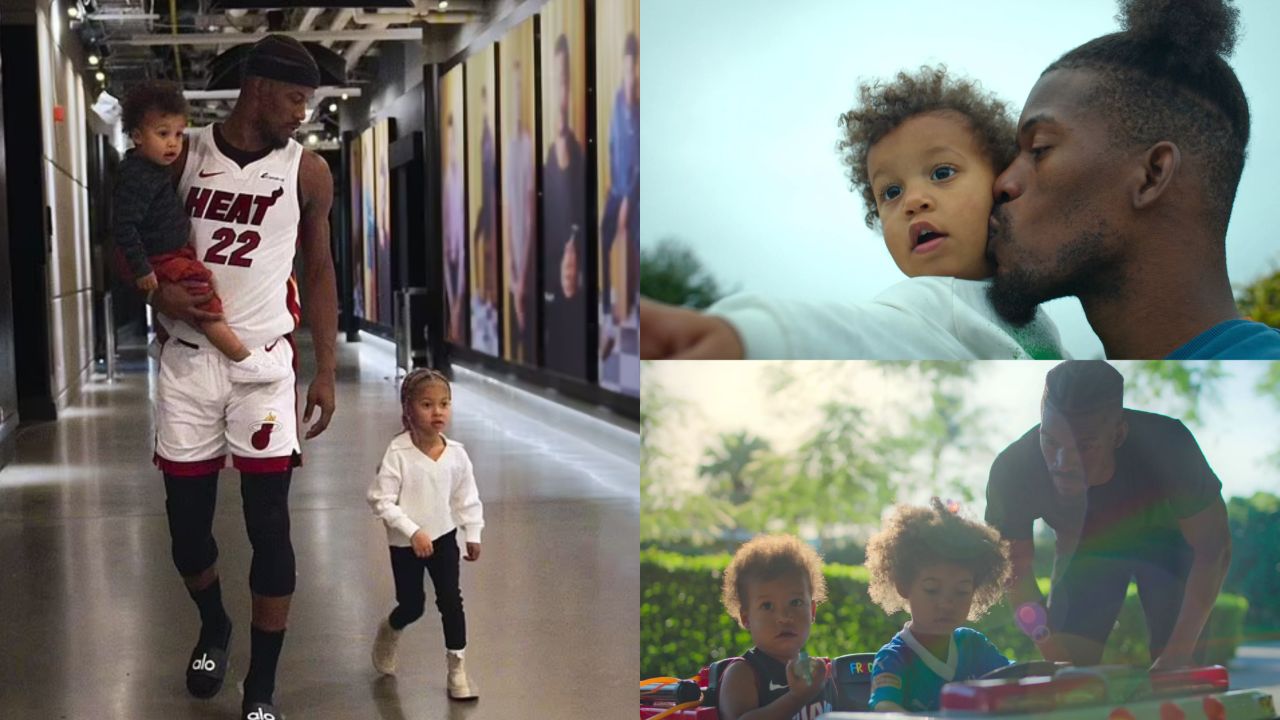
[1232, 340]
[1161, 477]
[771, 684]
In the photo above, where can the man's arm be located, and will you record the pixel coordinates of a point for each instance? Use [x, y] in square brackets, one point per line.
[322, 290]
[1210, 539]
[1023, 590]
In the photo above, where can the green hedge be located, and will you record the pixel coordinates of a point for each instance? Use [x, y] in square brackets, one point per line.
[683, 625]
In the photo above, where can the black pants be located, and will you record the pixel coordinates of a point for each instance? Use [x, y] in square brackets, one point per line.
[1088, 592]
[411, 600]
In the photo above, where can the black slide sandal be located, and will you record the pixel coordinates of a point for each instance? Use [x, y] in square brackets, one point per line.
[207, 668]
[260, 711]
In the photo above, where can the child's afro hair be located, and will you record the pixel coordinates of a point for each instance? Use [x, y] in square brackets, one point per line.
[160, 95]
[883, 106]
[916, 537]
[769, 557]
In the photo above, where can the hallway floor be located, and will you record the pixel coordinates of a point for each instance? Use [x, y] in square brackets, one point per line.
[97, 624]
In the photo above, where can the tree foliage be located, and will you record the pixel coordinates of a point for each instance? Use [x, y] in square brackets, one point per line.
[1261, 300]
[672, 273]
[1255, 556]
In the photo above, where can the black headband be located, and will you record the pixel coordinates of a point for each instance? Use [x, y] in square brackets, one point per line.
[279, 57]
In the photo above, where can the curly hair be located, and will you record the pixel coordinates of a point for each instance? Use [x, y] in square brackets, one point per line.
[768, 557]
[159, 95]
[915, 537]
[1165, 77]
[883, 106]
[413, 384]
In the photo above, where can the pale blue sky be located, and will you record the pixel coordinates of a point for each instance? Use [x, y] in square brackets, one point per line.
[1236, 432]
[741, 102]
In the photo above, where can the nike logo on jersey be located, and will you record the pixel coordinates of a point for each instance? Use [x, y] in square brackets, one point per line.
[224, 206]
[269, 176]
[773, 686]
[204, 174]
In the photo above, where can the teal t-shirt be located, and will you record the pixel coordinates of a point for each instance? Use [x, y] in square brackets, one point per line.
[906, 673]
[1232, 340]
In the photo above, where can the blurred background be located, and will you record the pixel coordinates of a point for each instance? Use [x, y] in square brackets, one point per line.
[824, 449]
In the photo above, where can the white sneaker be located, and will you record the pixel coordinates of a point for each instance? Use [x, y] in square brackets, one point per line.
[460, 686]
[258, 368]
[384, 648]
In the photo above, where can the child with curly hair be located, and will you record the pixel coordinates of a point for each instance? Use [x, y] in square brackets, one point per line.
[923, 151]
[944, 569]
[772, 587]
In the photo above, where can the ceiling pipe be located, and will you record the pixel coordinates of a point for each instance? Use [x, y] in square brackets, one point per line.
[233, 93]
[404, 18]
[339, 21]
[356, 49]
[309, 36]
[309, 17]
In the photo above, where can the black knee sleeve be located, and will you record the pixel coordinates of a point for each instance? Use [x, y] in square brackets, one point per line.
[266, 517]
[189, 503]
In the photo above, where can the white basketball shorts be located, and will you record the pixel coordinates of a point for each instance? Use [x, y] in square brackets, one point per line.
[201, 416]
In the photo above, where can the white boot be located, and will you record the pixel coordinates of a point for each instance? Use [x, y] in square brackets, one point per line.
[460, 686]
[384, 648]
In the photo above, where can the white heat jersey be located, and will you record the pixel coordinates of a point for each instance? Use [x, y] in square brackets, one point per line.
[244, 228]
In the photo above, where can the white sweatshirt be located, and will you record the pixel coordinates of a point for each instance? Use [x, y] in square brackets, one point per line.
[922, 318]
[411, 492]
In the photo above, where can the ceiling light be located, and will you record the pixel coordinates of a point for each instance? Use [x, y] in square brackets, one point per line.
[100, 76]
[344, 96]
[312, 139]
[73, 12]
[94, 59]
[333, 107]
[444, 4]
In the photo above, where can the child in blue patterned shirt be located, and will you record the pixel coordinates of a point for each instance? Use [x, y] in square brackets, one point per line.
[944, 569]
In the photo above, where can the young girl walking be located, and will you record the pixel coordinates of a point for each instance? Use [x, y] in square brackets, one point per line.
[425, 490]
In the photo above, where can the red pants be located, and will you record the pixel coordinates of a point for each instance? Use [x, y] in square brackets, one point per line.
[181, 265]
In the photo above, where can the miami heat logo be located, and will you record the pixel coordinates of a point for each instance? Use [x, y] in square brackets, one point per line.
[262, 432]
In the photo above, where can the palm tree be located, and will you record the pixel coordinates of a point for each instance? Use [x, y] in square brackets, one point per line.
[726, 466]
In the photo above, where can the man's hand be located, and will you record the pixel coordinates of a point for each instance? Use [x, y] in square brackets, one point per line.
[473, 551]
[148, 282]
[421, 544]
[673, 333]
[181, 301]
[319, 395]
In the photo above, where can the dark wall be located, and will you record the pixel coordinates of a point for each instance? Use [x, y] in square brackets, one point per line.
[28, 232]
[8, 371]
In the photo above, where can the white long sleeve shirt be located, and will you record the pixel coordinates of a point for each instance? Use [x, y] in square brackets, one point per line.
[922, 318]
[412, 492]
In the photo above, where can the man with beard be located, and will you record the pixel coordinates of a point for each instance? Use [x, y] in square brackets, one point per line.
[1128, 495]
[1130, 151]
[255, 197]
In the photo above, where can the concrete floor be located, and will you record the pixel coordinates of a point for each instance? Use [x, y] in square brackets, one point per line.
[95, 623]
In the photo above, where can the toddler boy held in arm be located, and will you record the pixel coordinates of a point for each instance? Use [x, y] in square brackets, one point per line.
[151, 228]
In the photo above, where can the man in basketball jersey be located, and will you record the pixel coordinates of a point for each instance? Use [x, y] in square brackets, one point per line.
[254, 196]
